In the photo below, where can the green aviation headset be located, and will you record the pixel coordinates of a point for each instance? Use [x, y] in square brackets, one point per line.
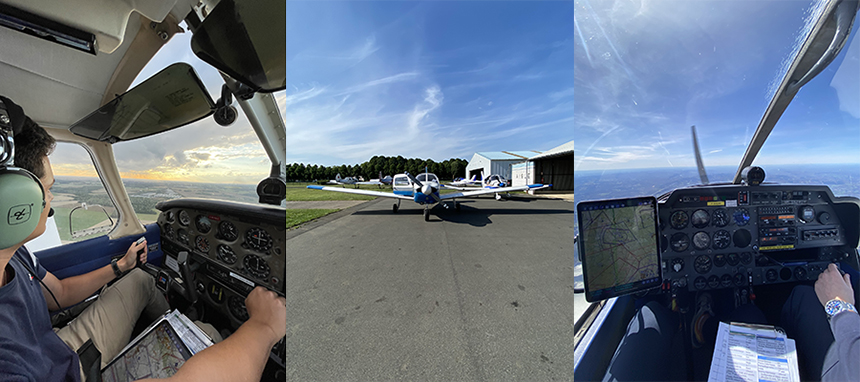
[22, 197]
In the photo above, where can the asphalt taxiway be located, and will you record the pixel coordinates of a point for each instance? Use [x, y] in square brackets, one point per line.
[483, 294]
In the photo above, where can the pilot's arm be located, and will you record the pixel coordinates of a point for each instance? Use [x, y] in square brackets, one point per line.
[834, 291]
[72, 290]
[243, 355]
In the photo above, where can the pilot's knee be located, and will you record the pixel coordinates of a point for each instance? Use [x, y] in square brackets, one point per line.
[139, 277]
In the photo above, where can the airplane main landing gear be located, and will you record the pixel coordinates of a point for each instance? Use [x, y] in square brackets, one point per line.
[457, 206]
[396, 206]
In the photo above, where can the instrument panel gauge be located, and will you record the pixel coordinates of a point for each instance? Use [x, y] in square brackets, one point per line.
[700, 219]
[182, 236]
[679, 220]
[680, 242]
[228, 231]
[184, 219]
[701, 240]
[170, 216]
[258, 239]
[807, 214]
[719, 260]
[702, 264]
[202, 244]
[733, 259]
[168, 231]
[256, 266]
[722, 239]
[713, 282]
[204, 225]
[720, 217]
[237, 308]
[726, 281]
[226, 254]
[741, 216]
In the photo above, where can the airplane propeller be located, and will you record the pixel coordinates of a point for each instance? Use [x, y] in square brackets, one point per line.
[703, 175]
[425, 189]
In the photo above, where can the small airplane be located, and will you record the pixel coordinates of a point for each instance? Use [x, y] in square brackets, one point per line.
[461, 182]
[381, 181]
[424, 190]
[493, 181]
[343, 181]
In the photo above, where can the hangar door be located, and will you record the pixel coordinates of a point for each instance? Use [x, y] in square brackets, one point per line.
[557, 171]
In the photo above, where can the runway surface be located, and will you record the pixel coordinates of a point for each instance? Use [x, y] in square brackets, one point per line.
[484, 294]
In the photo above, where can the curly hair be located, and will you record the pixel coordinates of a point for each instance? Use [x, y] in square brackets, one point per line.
[31, 145]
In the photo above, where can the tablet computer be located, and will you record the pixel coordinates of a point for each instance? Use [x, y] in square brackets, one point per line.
[158, 354]
[619, 246]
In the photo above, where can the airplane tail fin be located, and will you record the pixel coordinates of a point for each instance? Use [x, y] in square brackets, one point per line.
[337, 177]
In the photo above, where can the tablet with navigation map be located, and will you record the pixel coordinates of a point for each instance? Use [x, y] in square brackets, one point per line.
[619, 246]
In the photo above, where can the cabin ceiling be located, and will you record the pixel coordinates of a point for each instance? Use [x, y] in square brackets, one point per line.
[57, 85]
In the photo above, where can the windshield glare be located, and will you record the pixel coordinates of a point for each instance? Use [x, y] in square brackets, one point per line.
[647, 71]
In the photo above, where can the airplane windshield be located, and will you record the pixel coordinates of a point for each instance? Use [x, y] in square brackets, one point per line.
[644, 74]
[427, 178]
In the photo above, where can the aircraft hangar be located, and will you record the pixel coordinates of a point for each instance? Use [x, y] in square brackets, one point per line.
[554, 166]
[496, 162]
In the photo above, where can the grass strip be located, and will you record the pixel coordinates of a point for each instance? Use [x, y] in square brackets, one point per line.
[296, 217]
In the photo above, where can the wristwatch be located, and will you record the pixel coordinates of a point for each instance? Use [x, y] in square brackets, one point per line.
[115, 267]
[834, 307]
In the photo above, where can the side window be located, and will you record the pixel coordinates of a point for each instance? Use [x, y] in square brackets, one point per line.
[82, 208]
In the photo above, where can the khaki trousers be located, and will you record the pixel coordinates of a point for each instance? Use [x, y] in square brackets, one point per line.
[110, 320]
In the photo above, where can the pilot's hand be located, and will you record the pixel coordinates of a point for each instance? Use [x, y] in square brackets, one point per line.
[127, 262]
[832, 285]
[268, 309]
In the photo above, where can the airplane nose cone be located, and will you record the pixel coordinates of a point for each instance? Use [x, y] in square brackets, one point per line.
[426, 189]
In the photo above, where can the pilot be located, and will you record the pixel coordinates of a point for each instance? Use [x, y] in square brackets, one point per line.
[822, 320]
[30, 350]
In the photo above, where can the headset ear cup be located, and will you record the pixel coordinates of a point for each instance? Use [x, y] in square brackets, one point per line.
[22, 201]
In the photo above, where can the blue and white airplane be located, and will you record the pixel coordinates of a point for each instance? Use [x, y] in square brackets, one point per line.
[424, 190]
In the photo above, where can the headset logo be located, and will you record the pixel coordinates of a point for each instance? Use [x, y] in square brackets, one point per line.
[19, 214]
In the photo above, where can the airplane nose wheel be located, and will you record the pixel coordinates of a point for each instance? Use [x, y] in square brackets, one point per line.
[426, 215]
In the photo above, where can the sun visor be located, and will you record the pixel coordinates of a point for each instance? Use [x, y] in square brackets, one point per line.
[172, 98]
[246, 40]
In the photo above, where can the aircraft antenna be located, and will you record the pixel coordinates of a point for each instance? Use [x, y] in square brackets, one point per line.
[703, 175]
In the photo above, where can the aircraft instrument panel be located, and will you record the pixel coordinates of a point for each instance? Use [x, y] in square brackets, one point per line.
[716, 237]
[234, 246]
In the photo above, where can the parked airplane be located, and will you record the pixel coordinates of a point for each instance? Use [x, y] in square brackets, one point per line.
[462, 182]
[424, 190]
[493, 181]
[386, 180]
[345, 181]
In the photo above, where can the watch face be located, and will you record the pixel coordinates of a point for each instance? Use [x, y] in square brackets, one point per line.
[835, 306]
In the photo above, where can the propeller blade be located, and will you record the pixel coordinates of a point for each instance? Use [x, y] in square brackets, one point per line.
[702, 174]
[414, 180]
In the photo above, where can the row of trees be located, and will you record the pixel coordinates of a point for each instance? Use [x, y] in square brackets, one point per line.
[448, 169]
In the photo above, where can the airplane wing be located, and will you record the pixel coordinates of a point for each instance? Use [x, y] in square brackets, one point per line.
[360, 192]
[372, 182]
[487, 191]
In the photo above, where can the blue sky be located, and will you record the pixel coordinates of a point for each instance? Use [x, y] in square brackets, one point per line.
[433, 80]
[646, 71]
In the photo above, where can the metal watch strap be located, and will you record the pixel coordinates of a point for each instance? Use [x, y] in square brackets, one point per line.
[836, 306]
[115, 267]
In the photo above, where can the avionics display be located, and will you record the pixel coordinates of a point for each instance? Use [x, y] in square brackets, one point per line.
[619, 246]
